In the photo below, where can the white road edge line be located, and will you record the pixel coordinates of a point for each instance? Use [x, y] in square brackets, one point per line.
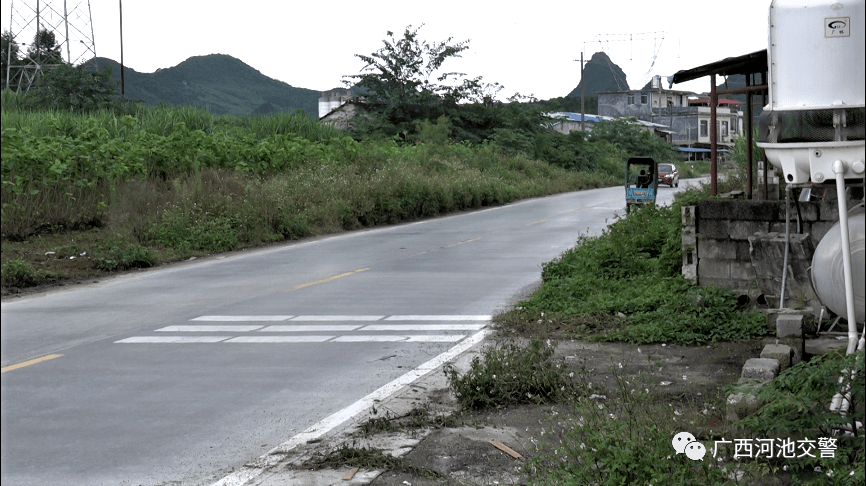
[484, 318]
[274, 456]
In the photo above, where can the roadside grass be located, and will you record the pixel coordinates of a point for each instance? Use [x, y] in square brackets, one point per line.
[623, 434]
[626, 285]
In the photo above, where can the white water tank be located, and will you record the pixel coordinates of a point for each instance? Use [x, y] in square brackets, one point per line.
[816, 85]
[324, 105]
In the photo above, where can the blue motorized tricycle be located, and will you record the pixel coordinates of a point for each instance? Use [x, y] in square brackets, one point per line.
[641, 181]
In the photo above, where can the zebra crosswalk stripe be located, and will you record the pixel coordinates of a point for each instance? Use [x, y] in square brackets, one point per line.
[318, 329]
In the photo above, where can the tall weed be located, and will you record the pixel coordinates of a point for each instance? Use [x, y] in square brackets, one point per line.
[512, 373]
[622, 437]
[796, 406]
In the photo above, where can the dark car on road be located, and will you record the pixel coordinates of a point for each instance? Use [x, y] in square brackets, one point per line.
[669, 175]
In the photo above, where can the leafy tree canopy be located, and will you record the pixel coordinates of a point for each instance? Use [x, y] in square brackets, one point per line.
[633, 140]
[74, 88]
[403, 82]
[45, 49]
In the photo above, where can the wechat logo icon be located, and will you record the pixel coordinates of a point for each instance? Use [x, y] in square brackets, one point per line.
[685, 443]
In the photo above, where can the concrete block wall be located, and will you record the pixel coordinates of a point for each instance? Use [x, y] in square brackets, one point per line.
[740, 245]
[690, 244]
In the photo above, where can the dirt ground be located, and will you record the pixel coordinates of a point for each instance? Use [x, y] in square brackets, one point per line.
[465, 455]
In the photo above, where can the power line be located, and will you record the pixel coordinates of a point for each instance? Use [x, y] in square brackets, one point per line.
[656, 36]
[69, 21]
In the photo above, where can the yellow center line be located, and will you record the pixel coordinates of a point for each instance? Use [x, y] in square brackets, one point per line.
[335, 277]
[612, 201]
[537, 222]
[28, 363]
[461, 242]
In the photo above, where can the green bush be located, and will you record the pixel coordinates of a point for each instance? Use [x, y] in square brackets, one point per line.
[18, 273]
[116, 254]
[510, 373]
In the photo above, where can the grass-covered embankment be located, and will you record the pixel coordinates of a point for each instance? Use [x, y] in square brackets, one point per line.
[162, 184]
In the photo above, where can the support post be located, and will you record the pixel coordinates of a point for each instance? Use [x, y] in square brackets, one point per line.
[713, 159]
[749, 138]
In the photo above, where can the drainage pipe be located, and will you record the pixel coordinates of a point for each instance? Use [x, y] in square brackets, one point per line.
[839, 169]
[841, 402]
[787, 244]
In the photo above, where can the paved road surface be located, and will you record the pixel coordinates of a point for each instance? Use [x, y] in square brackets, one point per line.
[185, 373]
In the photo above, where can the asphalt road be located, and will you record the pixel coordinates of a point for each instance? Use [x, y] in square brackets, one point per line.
[183, 374]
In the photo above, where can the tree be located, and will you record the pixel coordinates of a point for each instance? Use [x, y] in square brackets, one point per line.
[633, 139]
[74, 88]
[45, 49]
[403, 82]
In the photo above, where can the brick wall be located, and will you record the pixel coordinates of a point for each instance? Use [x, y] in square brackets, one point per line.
[740, 244]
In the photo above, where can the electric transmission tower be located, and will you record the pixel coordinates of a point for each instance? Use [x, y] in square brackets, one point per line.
[45, 34]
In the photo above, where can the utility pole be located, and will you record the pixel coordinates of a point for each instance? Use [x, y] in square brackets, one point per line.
[582, 92]
[122, 83]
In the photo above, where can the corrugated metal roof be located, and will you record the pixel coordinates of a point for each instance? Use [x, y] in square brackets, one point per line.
[576, 116]
[755, 62]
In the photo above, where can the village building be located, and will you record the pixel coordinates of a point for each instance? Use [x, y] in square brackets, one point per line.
[685, 114]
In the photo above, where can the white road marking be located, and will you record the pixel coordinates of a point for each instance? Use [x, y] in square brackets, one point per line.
[172, 339]
[280, 339]
[303, 328]
[370, 339]
[438, 318]
[419, 338]
[423, 327]
[274, 456]
[208, 328]
[329, 324]
[436, 338]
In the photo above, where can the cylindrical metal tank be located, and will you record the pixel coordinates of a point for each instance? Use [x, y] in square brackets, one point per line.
[817, 106]
[827, 275]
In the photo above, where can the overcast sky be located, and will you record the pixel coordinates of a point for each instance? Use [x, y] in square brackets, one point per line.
[529, 47]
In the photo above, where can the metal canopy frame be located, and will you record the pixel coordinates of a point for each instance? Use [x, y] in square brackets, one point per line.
[748, 65]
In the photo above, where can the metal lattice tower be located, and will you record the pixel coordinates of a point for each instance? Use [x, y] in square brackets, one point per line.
[69, 20]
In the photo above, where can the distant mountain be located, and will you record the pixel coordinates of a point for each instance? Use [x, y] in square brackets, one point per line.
[601, 74]
[219, 82]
